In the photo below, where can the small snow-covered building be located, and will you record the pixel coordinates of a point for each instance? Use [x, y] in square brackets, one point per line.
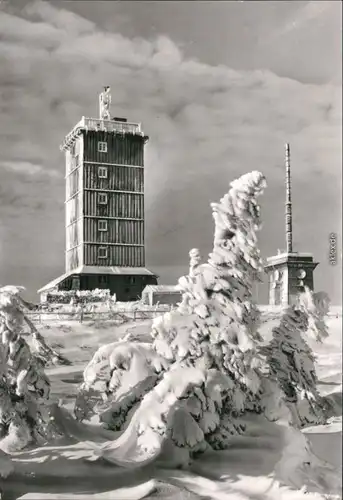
[161, 294]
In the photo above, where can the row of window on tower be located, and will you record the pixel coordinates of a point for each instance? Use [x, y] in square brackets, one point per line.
[102, 171]
[102, 200]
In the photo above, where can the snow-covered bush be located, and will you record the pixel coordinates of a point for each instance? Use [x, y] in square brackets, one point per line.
[86, 296]
[129, 370]
[24, 386]
[212, 332]
[290, 361]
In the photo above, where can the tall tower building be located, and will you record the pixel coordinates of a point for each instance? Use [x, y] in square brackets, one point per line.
[289, 272]
[104, 206]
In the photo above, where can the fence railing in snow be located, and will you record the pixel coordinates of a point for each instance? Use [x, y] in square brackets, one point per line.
[118, 315]
[86, 313]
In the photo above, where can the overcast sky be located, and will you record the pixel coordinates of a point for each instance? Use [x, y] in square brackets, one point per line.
[219, 88]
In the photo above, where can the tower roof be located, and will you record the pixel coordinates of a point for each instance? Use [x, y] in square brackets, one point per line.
[96, 124]
[293, 259]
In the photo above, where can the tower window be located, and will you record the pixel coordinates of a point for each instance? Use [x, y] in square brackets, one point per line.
[102, 172]
[102, 147]
[102, 225]
[102, 198]
[102, 252]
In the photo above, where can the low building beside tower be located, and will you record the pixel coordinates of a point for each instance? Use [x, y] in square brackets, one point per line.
[161, 294]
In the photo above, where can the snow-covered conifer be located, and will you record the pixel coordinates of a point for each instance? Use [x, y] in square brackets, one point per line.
[213, 330]
[216, 324]
[291, 363]
[24, 386]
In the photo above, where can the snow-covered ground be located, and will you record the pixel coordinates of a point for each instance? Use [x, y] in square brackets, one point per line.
[269, 462]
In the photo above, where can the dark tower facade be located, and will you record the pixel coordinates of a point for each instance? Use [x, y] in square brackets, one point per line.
[289, 272]
[104, 205]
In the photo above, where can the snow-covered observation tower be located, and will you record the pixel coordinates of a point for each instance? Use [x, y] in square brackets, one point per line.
[104, 206]
[289, 272]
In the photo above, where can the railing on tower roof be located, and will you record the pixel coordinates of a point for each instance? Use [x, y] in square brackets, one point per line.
[96, 124]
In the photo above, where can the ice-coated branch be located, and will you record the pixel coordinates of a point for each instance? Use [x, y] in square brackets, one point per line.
[194, 262]
[237, 218]
[117, 378]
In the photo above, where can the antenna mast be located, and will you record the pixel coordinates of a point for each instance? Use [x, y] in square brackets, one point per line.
[289, 230]
[104, 104]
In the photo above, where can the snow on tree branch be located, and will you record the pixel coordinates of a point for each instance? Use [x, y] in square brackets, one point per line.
[24, 386]
[116, 378]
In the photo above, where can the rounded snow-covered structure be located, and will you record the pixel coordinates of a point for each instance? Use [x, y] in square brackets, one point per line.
[161, 294]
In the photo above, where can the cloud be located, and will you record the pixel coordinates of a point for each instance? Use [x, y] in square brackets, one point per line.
[207, 125]
[307, 13]
[299, 18]
[306, 33]
[27, 168]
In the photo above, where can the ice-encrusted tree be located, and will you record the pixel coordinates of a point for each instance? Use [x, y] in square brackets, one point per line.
[317, 306]
[24, 386]
[216, 324]
[210, 338]
[290, 360]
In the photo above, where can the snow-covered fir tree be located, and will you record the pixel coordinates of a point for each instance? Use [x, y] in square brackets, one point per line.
[24, 386]
[216, 325]
[211, 337]
[317, 306]
[290, 360]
